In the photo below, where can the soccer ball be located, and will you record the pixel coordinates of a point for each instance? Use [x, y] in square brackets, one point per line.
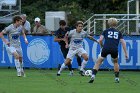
[88, 72]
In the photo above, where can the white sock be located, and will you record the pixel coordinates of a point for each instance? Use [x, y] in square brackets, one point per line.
[71, 71]
[17, 64]
[21, 67]
[79, 67]
[83, 65]
[93, 76]
[62, 67]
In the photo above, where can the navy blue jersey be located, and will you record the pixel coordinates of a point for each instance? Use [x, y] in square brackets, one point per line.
[60, 33]
[112, 38]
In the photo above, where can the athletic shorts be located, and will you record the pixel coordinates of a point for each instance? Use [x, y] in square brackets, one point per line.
[113, 53]
[12, 49]
[64, 51]
[78, 51]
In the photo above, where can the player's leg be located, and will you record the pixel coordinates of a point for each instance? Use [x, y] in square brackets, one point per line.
[84, 55]
[17, 63]
[65, 52]
[96, 68]
[79, 61]
[21, 66]
[13, 51]
[85, 60]
[116, 70]
[114, 55]
[100, 59]
[70, 69]
[67, 62]
[19, 51]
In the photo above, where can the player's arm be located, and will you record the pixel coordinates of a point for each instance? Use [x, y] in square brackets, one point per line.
[91, 33]
[56, 39]
[93, 39]
[3, 39]
[101, 41]
[66, 39]
[124, 47]
[24, 36]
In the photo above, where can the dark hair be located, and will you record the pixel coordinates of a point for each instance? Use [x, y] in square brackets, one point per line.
[62, 22]
[16, 18]
[79, 22]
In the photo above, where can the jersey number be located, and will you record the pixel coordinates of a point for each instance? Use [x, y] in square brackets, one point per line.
[113, 35]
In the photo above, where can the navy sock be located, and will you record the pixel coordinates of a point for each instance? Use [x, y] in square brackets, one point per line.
[94, 71]
[116, 74]
[70, 67]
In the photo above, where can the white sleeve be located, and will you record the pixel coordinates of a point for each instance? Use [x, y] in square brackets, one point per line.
[70, 33]
[86, 34]
[7, 29]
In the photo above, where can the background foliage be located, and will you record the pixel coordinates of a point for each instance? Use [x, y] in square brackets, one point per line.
[76, 9]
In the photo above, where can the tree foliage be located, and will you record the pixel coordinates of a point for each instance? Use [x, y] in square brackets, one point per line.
[79, 9]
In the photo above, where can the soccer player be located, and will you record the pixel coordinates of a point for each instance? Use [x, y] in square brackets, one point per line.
[59, 37]
[112, 38]
[14, 31]
[76, 47]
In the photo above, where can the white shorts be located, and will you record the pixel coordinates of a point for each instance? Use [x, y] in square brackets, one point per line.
[12, 50]
[78, 51]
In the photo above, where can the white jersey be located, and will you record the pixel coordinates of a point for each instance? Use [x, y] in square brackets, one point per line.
[13, 35]
[76, 39]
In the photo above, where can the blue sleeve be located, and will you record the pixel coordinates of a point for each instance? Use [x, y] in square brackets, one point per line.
[56, 33]
[121, 36]
[103, 33]
[68, 29]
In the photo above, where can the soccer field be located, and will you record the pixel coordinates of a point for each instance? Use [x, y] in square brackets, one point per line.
[46, 81]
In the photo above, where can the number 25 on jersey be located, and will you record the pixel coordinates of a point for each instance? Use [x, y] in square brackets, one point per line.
[113, 35]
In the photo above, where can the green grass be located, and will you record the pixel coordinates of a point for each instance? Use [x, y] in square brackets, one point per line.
[46, 81]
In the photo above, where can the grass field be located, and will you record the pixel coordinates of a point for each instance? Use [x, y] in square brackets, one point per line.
[46, 81]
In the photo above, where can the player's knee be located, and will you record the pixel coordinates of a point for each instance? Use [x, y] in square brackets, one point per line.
[16, 55]
[68, 61]
[20, 59]
[86, 58]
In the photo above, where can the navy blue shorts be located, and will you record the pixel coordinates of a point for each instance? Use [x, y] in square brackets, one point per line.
[113, 53]
[64, 51]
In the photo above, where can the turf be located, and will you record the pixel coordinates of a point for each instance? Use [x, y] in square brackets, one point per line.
[46, 81]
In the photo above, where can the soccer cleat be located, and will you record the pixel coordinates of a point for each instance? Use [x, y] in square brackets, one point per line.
[81, 73]
[117, 80]
[71, 73]
[23, 74]
[58, 74]
[91, 80]
[19, 74]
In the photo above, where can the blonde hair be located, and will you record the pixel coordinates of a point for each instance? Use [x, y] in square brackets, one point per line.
[112, 22]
